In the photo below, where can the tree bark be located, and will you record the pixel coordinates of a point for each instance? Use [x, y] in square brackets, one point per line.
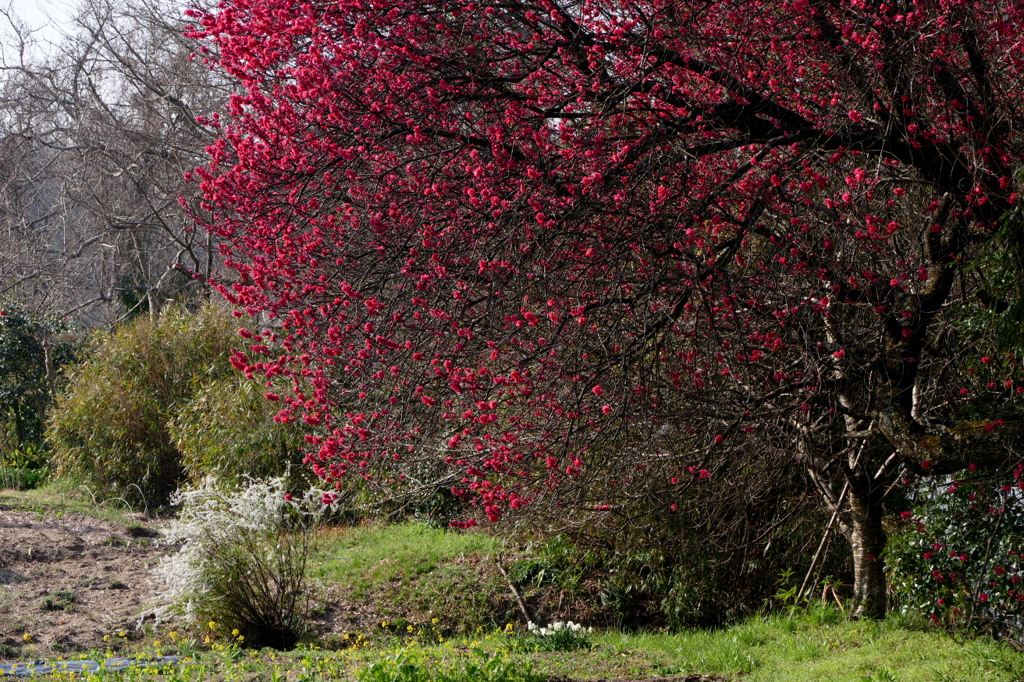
[867, 540]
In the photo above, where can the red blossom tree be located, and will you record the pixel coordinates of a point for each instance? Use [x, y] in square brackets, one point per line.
[574, 248]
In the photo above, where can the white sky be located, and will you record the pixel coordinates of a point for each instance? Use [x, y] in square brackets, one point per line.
[45, 16]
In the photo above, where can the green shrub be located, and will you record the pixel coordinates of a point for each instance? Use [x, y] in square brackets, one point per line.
[34, 349]
[693, 566]
[17, 478]
[228, 430]
[109, 430]
[25, 467]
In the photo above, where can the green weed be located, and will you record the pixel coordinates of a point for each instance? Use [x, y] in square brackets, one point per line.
[59, 600]
[476, 665]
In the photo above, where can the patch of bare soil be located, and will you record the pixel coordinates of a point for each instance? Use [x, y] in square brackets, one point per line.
[65, 583]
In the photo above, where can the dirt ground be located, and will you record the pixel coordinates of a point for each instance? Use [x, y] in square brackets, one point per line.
[71, 583]
[66, 583]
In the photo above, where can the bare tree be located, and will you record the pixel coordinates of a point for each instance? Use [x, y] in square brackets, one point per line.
[98, 136]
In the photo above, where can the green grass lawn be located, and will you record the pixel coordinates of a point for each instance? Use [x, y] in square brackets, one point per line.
[413, 573]
[816, 645]
[366, 557]
[449, 577]
[822, 645]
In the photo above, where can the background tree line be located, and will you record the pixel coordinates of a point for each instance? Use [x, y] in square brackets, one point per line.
[97, 131]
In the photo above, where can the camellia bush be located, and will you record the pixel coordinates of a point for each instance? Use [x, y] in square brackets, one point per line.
[958, 555]
[35, 348]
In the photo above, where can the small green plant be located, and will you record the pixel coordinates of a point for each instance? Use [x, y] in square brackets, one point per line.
[59, 600]
[787, 588]
[662, 670]
[478, 665]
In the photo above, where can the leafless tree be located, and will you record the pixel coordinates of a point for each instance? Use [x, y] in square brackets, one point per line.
[97, 134]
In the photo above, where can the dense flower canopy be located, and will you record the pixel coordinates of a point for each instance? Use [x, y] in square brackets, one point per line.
[524, 237]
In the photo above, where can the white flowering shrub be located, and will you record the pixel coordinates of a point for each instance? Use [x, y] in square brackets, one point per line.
[243, 558]
[559, 636]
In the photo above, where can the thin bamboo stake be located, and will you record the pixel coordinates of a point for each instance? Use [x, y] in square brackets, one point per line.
[513, 590]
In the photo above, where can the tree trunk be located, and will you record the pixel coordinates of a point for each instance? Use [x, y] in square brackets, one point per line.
[867, 540]
[19, 423]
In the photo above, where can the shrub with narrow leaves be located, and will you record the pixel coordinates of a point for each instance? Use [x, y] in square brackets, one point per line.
[158, 403]
[109, 430]
[228, 429]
